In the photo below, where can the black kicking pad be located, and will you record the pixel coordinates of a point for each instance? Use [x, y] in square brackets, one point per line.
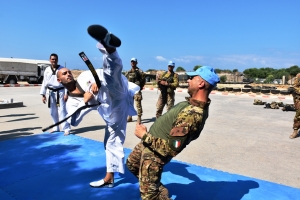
[98, 32]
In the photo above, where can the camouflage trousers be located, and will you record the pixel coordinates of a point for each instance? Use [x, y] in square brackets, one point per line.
[296, 124]
[169, 100]
[147, 166]
[138, 103]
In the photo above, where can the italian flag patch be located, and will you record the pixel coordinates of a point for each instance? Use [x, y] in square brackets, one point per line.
[177, 143]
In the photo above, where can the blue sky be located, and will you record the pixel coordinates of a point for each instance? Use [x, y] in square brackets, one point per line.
[224, 34]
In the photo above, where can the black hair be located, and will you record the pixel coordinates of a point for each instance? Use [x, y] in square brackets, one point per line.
[54, 54]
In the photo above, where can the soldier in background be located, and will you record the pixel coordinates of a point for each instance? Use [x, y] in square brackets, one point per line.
[137, 76]
[167, 84]
[296, 98]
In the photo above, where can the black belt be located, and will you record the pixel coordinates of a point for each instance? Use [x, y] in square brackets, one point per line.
[57, 95]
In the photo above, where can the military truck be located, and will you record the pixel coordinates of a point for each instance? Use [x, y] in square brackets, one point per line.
[13, 70]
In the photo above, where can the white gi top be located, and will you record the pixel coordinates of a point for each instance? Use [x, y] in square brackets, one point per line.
[50, 80]
[116, 93]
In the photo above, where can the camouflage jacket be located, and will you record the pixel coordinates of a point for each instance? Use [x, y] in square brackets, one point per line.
[171, 132]
[171, 78]
[136, 76]
[296, 84]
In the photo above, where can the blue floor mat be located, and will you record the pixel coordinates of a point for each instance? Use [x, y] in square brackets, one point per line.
[52, 166]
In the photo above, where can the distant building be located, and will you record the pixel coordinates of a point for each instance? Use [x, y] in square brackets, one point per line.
[233, 77]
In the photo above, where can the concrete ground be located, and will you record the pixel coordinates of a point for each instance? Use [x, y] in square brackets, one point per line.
[238, 137]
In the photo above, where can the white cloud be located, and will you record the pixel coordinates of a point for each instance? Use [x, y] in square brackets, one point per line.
[160, 58]
[181, 60]
[251, 61]
[188, 59]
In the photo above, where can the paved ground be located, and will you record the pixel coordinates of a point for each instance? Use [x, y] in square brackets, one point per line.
[238, 137]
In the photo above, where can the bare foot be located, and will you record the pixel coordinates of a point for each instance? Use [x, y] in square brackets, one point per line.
[67, 133]
[109, 178]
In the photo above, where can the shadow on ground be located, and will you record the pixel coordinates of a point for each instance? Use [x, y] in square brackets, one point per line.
[17, 115]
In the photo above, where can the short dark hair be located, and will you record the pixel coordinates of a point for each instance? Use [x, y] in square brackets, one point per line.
[54, 54]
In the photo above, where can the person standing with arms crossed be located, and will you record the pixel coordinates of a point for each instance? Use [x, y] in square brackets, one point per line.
[167, 84]
[137, 76]
[170, 134]
[57, 95]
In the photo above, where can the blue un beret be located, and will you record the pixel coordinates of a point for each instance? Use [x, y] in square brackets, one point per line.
[207, 73]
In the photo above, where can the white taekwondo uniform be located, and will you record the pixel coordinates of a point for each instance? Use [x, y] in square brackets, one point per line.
[116, 98]
[55, 92]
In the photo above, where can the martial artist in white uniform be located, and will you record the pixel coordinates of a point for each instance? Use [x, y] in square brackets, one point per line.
[116, 98]
[55, 92]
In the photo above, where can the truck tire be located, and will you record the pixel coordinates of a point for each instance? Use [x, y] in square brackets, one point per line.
[236, 89]
[273, 91]
[246, 89]
[40, 80]
[266, 87]
[265, 90]
[228, 89]
[11, 80]
[255, 89]
[284, 92]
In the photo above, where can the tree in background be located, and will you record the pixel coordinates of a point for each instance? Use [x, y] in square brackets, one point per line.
[223, 79]
[293, 70]
[150, 70]
[254, 73]
[278, 74]
[269, 79]
[218, 71]
[196, 67]
[180, 69]
[227, 71]
[267, 73]
[289, 73]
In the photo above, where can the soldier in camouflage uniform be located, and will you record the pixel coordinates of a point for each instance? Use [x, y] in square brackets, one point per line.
[167, 84]
[170, 134]
[296, 98]
[137, 76]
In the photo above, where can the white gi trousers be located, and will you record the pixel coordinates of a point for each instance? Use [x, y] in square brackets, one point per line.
[116, 98]
[58, 113]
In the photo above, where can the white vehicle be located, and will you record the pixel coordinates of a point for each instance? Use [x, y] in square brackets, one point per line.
[13, 70]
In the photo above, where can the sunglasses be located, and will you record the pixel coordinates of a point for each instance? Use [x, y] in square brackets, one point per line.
[191, 77]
